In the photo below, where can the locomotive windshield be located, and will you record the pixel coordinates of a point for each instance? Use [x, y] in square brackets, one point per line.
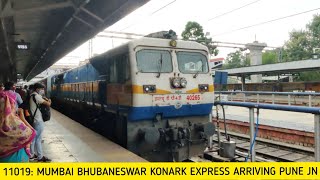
[192, 62]
[154, 61]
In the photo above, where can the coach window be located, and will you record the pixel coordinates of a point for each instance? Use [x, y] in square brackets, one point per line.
[192, 62]
[152, 61]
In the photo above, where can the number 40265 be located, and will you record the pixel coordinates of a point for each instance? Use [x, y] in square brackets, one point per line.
[17, 171]
[193, 97]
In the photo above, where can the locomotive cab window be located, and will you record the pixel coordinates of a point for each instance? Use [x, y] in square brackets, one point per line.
[115, 72]
[113, 78]
[192, 62]
[123, 68]
[153, 61]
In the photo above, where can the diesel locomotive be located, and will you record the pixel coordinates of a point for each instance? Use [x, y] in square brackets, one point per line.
[153, 96]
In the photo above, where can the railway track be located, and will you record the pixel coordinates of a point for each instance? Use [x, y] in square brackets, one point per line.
[268, 150]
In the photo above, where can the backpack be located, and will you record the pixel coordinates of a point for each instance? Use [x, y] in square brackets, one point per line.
[45, 110]
[26, 109]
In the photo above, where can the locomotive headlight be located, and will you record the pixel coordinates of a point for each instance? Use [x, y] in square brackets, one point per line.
[203, 87]
[149, 88]
[183, 82]
[173, 43]
[176, 82]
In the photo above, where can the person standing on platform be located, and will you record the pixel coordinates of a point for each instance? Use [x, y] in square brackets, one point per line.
[15, 133]
[23, 93]
[11, 87]
[35, 101]
[30, 89]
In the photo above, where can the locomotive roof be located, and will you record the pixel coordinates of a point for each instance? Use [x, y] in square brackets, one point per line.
[154, 42]
[181, 44]
[146, 41]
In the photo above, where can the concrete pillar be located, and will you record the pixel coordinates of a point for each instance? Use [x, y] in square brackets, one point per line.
[243, 82]
[256, 58]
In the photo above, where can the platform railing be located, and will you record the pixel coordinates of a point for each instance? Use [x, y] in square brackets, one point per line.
[289, 95]
[301, 109]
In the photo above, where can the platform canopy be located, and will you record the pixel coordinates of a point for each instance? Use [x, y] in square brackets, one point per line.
[34, 34]
[278, 68]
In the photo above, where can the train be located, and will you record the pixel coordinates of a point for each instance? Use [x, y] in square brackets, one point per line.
[152, 95]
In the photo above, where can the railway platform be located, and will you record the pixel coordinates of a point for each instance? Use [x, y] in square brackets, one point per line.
[65, 140]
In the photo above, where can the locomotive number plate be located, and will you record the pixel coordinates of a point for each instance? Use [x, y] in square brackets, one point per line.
[173, 98]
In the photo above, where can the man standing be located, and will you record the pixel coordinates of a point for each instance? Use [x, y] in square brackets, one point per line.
[35, 101]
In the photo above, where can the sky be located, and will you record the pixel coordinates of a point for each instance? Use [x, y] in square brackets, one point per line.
[159, 15]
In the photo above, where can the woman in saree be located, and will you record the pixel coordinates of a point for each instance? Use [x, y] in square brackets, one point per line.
[15, 133]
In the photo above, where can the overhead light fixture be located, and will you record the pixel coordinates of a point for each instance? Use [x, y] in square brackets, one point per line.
[22, 45]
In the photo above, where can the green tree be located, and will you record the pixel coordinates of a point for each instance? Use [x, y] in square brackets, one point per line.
[236, 60]
[194, 31]
[301, 42]
[298, 47]
[269, 57]
[314, 31]
[308, 76]
[246, 61]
